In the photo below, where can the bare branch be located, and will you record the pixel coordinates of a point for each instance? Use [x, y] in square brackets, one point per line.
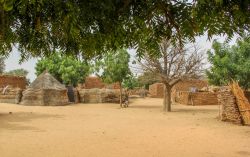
[174, 63]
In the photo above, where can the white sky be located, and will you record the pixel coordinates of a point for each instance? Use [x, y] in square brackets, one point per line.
[12, 62]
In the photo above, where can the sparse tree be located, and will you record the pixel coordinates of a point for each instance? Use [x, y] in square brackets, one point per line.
[115, 66]
[173, 64]
[2, 65]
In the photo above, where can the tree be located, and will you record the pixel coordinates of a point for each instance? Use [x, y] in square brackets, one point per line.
[131, 82]
[2, 65]
[230, 63]
[172, 65]
[66, 69]
[115, 67]
[92, 27]
[18, 72]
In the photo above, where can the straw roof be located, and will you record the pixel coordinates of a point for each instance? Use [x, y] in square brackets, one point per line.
[46, 81]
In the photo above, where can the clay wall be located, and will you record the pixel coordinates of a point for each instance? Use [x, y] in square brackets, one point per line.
[196, 98]
[156, 90]
[13, 81]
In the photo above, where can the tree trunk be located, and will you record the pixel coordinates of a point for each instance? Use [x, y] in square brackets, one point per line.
[120, 94]
[167, 98]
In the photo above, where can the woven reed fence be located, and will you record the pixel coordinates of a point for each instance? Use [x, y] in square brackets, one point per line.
[242, 102]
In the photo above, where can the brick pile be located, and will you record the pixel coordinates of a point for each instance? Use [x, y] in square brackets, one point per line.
[13, 81]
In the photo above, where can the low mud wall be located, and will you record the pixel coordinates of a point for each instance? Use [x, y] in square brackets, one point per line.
[10, 95]
[156, 90]
[196, 98]
[13, 81]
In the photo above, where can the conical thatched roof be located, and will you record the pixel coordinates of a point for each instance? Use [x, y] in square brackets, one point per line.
[46, 81]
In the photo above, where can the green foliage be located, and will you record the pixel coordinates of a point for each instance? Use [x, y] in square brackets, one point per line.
[115, 66]
[2, 65]
[18, 72]
[92, 27]
[66, 69]
[131, 82]
[230, 63]
[147, 78]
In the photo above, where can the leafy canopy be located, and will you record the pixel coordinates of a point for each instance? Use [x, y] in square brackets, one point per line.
[115, 66]
[230, 62]
[2, 64]
[65, 69]
[131, 82]
[92, 27]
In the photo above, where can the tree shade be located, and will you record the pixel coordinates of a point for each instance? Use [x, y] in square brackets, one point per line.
[92, 27]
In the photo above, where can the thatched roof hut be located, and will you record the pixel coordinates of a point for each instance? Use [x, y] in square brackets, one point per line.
[45, 91]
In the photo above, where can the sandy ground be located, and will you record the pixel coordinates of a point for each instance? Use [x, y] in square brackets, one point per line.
[104, 130]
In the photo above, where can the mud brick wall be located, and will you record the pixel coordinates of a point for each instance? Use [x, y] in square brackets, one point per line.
[182, 98]
[11, 95]
[204, 98]
[230, 111]
[197, 98]
[93, 82]
[156, 90]
[138, 91]
[13, 81]
[186, 84]
[96, 82]
[113, 86]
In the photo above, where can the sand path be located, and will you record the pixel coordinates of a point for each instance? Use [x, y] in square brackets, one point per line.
[104, 130]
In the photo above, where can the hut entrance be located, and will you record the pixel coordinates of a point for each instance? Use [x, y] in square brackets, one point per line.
[71, 94]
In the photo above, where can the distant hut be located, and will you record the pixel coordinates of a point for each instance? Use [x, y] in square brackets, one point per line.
[45, 91]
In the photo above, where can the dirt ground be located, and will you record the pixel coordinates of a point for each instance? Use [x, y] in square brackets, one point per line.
[104, 130]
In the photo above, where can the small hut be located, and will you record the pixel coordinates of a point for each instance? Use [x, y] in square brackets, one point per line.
[45, 91]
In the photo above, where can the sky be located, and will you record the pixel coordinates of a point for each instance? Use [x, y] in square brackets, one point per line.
[12, 62]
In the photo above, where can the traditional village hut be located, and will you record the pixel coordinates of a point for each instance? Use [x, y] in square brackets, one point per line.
[45, 91]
